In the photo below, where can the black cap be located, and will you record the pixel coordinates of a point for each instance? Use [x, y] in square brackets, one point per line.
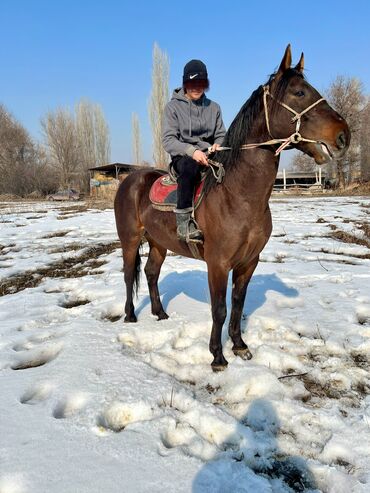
[194, 70]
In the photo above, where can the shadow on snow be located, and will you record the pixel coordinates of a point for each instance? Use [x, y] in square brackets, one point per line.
[194, 285]
[257, 466]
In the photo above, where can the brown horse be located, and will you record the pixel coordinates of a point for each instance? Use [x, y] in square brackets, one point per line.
[234, 215]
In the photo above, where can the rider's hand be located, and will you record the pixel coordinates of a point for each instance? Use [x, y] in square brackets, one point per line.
[214, 148]
[200, 157]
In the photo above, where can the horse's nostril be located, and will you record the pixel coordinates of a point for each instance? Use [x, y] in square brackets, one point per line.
[341, 140]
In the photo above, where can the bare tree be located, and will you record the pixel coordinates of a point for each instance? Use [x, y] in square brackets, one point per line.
[93, 139]
[346, 96]
[158, 99]
[102, 137]
[22, 165]
[365, 142]
[60, 132]
[136, 139]
[302, 162]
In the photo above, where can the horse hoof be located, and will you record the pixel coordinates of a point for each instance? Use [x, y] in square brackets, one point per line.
[130, 318]
[243, 353]
[219, 363]
[162, 316]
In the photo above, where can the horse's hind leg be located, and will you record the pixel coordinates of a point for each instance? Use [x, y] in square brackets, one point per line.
[241, 278]
[157, 254]
[131, 269]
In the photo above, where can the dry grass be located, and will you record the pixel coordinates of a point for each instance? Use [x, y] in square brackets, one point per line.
[78, 266]
[346, 237]
[67, 248]
[57, 234]
[365, 227]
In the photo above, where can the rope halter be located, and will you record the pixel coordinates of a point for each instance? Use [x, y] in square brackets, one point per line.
[295, 137]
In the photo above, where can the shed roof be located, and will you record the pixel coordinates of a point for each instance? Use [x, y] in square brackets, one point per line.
[114, 166]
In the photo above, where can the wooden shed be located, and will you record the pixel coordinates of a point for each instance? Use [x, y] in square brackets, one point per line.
[104, 180]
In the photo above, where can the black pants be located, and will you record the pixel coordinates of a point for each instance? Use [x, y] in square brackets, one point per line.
[188, 173]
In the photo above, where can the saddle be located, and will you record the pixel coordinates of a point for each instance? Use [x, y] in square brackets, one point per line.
[163, 193]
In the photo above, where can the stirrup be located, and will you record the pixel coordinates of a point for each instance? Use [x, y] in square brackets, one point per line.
[195, 236]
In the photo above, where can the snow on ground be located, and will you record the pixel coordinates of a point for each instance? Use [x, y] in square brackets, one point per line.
[91, 404]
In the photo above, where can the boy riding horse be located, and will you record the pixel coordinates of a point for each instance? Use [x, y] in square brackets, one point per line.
[192, 126]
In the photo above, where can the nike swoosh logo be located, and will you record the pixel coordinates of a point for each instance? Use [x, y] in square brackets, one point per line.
[192, 76]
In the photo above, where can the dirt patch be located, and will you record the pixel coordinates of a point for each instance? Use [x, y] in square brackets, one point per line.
[321, 390]
[57, 234]
[73, 208]
[78, 266]
[74, 303]
[112, 318]
[346, 237]
[365, 227]
[5, 247]
[67, 248]
[360, 360]
[330, 252]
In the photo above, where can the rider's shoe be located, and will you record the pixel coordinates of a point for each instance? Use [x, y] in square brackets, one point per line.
[187, 229]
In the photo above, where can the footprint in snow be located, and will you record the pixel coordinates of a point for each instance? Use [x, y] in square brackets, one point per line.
[70, 405]
[35, 340]
[37, 393]
[36, 357]
[119, 414]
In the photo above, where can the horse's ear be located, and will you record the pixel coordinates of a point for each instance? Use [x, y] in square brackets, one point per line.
[300, 64]
[286, 61]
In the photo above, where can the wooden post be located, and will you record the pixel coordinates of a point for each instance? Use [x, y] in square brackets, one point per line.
[284, 177]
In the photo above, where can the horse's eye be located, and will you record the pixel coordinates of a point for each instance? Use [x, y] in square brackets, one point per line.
[300, 94]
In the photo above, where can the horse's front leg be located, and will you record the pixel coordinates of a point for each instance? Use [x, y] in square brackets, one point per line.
[241, 278]
[217, 279]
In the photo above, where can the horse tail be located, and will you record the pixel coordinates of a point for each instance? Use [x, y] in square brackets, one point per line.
[137, 271]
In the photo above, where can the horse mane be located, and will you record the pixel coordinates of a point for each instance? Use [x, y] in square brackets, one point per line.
[243, 123]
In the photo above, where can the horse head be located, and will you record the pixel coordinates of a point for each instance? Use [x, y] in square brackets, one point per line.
[295, 109]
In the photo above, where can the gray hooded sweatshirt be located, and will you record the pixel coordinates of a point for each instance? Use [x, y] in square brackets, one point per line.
[190, 125]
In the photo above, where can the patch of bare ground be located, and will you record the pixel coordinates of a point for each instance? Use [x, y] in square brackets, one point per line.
[78, 266]
[360, 360]
[101, 204]
[346, 237]
[318, 391]
[112, 318]
[5, 247]
[73, 208]
[57, 234]
[365, 227]
[67, 248]
[73, 303]
[344, 261]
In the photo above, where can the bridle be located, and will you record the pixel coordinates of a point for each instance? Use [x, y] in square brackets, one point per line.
[218, 169]
[295, 137]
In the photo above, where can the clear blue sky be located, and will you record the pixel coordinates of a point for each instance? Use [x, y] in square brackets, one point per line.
[55, 52]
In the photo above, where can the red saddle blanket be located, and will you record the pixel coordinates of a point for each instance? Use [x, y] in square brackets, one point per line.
[163, 193]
